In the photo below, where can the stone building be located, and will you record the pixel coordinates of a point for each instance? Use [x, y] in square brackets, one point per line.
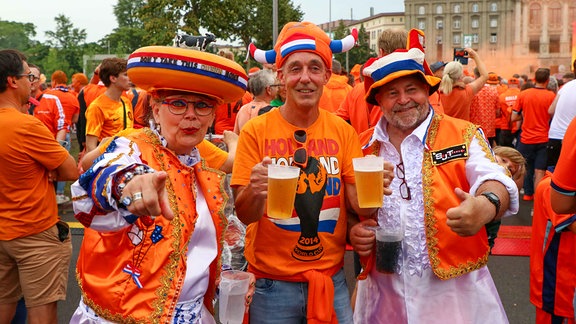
[512, 36]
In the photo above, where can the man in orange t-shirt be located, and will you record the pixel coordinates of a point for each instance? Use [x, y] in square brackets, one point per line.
[532, 108]
[303, 253]
[35, 247]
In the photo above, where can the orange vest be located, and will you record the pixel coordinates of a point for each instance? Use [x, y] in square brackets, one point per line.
[450, 255]
[108, 289]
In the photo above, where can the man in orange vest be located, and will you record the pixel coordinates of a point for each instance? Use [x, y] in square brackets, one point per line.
[447, 187]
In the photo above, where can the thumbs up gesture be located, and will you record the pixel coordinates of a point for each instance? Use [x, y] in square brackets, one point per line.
[470, 216]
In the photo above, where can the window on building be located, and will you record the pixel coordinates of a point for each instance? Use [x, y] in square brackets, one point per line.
[493, 22]
[475, 38]
[535, 15]
[421, 10]
[493, 7]
[438, 40]
[456, 8]
[493, 38]
[554, 44]
[457, 23]
[475, 22]
[439, 9]
[555, 14]
[456, 39]
[475, 7]
[439, 24]
[534, 45]
[421, 24]
[572, 12]
[401, 19]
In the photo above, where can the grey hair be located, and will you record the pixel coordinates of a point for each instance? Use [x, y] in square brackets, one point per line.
[260, 80]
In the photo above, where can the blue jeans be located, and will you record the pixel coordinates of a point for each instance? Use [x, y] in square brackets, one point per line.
[61, 184]
[284, 302]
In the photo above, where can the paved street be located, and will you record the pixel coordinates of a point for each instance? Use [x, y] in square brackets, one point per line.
[511, 274]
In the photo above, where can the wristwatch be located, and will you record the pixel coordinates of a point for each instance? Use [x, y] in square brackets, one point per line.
[493, 199]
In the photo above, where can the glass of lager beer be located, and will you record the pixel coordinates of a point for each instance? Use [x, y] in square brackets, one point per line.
[369, 173]
[282, 181]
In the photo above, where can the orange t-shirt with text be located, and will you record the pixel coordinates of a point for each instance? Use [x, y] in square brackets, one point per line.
[315, 236]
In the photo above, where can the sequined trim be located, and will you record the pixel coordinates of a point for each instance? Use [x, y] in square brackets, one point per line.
[429, 210]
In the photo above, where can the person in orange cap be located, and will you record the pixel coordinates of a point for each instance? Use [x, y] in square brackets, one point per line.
[447, 187]
[298, 261]
[152, 206]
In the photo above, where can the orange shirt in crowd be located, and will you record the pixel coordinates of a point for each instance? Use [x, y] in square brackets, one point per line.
[69, 102]
[27, 205]
[457, 103]
[51, 113]
[140, 107]
[507, 101]
[533, 104]
[355, 110]
[226, 114]
[334, 92]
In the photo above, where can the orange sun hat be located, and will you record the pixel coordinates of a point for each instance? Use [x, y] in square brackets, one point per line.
[154, 68]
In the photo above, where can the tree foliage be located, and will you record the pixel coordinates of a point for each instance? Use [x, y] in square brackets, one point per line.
[150, 22]
[357, 55]
[67, 42]
[16, 35]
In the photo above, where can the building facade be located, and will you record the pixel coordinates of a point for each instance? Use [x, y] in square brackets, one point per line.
[511, 36]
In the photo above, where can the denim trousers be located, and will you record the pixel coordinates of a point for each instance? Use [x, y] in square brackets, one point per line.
[285, 302]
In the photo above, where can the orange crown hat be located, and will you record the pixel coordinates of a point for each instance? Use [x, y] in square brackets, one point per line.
[400, 63]
[303, 37]
[153, 68]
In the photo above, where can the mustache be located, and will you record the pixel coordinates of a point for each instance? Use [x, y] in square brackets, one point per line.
[407, 106]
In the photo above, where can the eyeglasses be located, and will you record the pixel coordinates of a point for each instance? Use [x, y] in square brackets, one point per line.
[404, 189]
[300, 154]
[180, 106]
[30, 76]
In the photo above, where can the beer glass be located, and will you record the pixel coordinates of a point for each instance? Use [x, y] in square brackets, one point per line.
[282, 181]
[369, 172]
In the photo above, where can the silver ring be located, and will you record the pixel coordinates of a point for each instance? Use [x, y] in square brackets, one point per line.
[126, 201]
[136, 196]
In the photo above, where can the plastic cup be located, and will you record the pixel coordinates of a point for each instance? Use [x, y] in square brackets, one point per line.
[282, 182]
[388, 249]
[368, 172]
[234, 285]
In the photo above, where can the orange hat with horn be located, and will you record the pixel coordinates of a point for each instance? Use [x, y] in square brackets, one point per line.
[303, 37]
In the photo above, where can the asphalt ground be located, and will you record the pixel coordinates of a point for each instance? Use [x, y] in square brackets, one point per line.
[510, 273]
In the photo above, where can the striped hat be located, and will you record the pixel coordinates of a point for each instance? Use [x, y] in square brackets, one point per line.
[395, 65]
[154, 68]
[303, 37]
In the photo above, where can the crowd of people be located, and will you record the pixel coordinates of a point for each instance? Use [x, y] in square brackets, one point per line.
[156, 196]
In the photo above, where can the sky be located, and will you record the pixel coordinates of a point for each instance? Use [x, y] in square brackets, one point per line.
[96, 17]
